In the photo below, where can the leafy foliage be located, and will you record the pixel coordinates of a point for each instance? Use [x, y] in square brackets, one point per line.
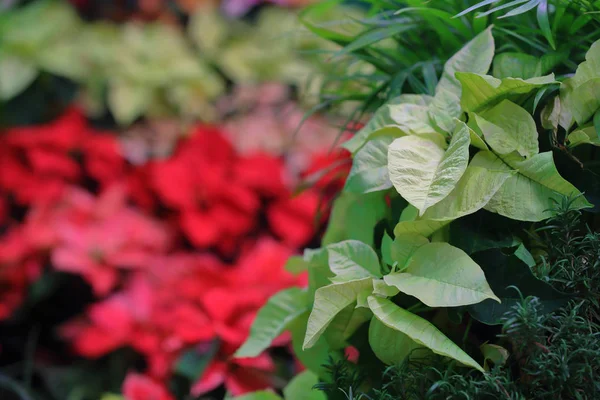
[466, 145]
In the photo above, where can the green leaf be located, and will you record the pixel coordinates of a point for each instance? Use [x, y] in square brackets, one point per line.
[313, 358]
[112, 396]
[345, 324]
[15, 76]
[584, 100]
[128, 101]
[386, 249]
[404, 246]
[318, 270]
[192, 364]
[482, 91]
[369, 171]
[389, 345]
[473, 192]
[589, 69]
[260, 395]
[406, 115]
[329, 301]
[441, 275]
[424, 227]
[515, 65]
[476, 56]
[354, 217]
[296, 265]
[529, 194]
[422, 172]
[524, 255]
[498, 355]
[272, 320]
[301, 387]
[419, 330]
[382, 289]
[351, 259]
[208, 29]
[503, 271]
[583, 135]
[508, 127]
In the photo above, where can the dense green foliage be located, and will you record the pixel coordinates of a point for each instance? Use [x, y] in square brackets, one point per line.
[551, 355]
[434, 248]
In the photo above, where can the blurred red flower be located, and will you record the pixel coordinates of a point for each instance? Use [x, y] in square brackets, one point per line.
[141, 387]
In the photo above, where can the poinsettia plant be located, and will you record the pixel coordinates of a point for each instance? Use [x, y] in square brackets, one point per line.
[394, 272]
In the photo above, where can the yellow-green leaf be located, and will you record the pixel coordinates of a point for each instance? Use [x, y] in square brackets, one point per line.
[329, 301]
[272, 320]
[528, 194]
[418, 329]
[441, 275]
[422, 172]
[508, 127]
[389, 345]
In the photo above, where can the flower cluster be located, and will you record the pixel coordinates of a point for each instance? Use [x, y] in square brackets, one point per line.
[179, 253]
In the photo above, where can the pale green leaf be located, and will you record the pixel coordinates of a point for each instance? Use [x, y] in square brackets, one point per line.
[369, 171]
[498, 355]
[584, 135]
[389, 345]
[476, 137]
[404, 246]
[476, 56]
[482, 91]
[556, 114]
[424, 227]
[345, 324]
[441, 275]
[409, 213]
[508, 127]
[208, 29]
[329, 301]
[419, 330]
[584, 100]
[128, 101]
[351, 260]
[272, 320]
[400, 117]
[474, 190]
[15, 76]
[528, 194]
[301, 387]
[380, 288]
[516, 65]
[590, 68]
[354, 217]
[422, 172]
[260, 395]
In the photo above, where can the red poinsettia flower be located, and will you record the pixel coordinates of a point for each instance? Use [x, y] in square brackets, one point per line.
[239, 375]
[102, 158]
[112, 237]
[199, 181]
[18, 268]
[294, 219]
[142, 387]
